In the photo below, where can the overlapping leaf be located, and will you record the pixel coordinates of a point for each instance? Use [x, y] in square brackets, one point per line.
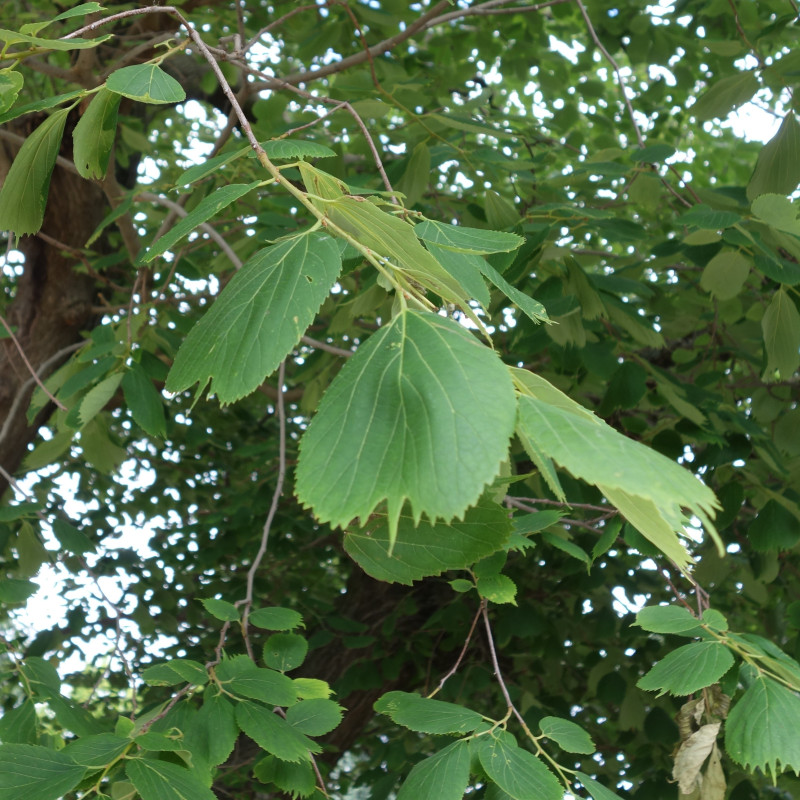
[274, 734]
[162, 780]
[31, 771]
[444, 775]
[516, 771]
[94, 134]
[688, 669]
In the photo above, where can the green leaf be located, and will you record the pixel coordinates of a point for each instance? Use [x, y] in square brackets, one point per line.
[147, 83]
[423, 550]
[11, 82]
[666, 619]
[241, 676]
[725, 274]
[781, 327]
[443, 776]
[14, 37]
[71, 539]
[778, 167]
[688, 669]
[31, 772]
[426, 715]
[96, 399]
[567, 735]
[176, 670]
[499, 212]
[210, 166]
[297, 780]
[516, 771]
[467, 240]
[566, 546]
[278, 149]
[273, 734]
[275, 618]
[533, 309]
[285, 651]
[652, 154]
[533, 523]
[714, 619]
[18, 726]
[597, 790]
[14, 590]
[314, 717]
[208, 207]
[777, 211]
[257, 318]
[215, 730]
[40, 105]
[497, 589]
[162, 780]
[761, 730]
[94, 135]
[221, 609]
[78, 11]
[704, 217]
[465, 268]
[312, 689]
[422, 412]
[415, 179]
[97, 751]
[725, 95]
[144, 401]
[19, 511]
[774, 528]
[24, 193]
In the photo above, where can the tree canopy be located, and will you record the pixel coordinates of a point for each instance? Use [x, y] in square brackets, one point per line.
[400, 400]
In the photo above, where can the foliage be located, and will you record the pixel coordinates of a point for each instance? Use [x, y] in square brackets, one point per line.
[487, 353]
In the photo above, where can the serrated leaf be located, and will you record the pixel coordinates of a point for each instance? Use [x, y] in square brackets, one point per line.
[566, 546]
[532, 309]
[279, 149]
[516, 771]
[426, 715]
[273, 734]
[257, 318]
[314, 717]
[97, 751]
[761, 730]
[499, 212]
[210, 165]
[778, 167]
[221, 609]
[533, 523]
[725, 95]
[423, 550]
[285, 651]
[95, 400]
[15, 590]
[422, 412]
[715, 619]
[147, 83]
[298, 780]
[466, 269]
[703, 216]
[208, 207]
[312, 689]
[666, 619]
[162, 780]
[18, 725]
[467, 240]
[276, 618]
[15, 37]
[688, 669]
[567, 735]
[144, 401]
[241, 676]
[93, 137]
[596, 789]
[24, 193]
[725, 274]
[444, 775]
[71, 539]
[176, 670]
[781, 327]
[497, 589]
[215, 731]
[30, 771]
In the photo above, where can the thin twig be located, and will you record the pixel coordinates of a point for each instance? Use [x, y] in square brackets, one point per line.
[452, 671]
[337, 351]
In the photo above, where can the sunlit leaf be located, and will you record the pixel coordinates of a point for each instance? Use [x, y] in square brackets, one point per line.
[147, 83]
[688, 669]
[426, 715]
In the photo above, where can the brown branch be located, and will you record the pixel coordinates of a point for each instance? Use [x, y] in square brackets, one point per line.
[452, 671]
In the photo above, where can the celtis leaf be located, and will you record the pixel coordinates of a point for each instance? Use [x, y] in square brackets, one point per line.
[499, 212]
[214, 731]
[29, 771]
[14, 37]
[176, 670]
[202, 212]
[597, 790]
[11, 82]
[467, 240]
[516, 771]
[725, 274]
[567, 735]
[144, 401]
[39, 105]
[194, 173]
[273, 734]
[71, 539]
[24, 193]
[221, 609]
[241, 676]
[285, 651]
[497, 589]
[314, 717]
[424, 550]
[298, 780]
[95, 400]
[16, 590]
[778, 167]
[426, 715]
[688, 669]
[97, 751]
[94, 134]
[774, 528]
[761, 730]
[18, 725]
[725, 95]
[147, 83]
[532, 309]
[279, 149]
[275, 618]
[777, 211]
[422, 412]
[312, 689]
[161, 780]
[466, 269]
[666, 619]
[415, 179]
[257, 318]
[444, 775]
[781, 327]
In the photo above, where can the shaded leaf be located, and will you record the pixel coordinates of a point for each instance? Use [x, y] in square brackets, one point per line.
[516, 771]
[725, 95]
[314, 717]
[162, 780]
[273, 734]
[30, 771]
[467, 240]
[97, 751]
[781, 327]
[688, 669]
[426, 715]
[144, 401]
[596, 789]
[778, 167]
[297, 779]
[567, 735]
[444, 775]
[275, 618]
[725, 275]
[147, 83]
[94, 135]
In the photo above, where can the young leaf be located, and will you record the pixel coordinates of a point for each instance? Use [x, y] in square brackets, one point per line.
[258, 318]
[147, 83]
[221, 609]
[209, 166]
[203, 211]
[688, 669]
[467, 240]
[285, 651]
[497, 589]
[273, 734]
[162, 780]
[443, 776]
[15, 37]
[176, 670]
[314, 717]
[280, 149]
[95, 400]
[215, 731]
[32, 772]
[781, 327]
[15, 590]
[761, 730]
[567, 735]
[24, 193]
[516, 771]
[427, 549]
[94, 134]
[275, 618]
[422, 412]
[241, 676]
[426, 715]
[666, 619]
[40, 105]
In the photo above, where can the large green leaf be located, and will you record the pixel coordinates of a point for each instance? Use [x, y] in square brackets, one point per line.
[276, 618]
[688, 669]
[778, 167]
[147, 83]
[516, 771]
[426, 549]
[761, 731]
[162, 780]
[258, 317]
[781, 327]
[31, 772]
[423, 412]
[725, 95]
[426, 715]
[467, 240]
[24, 193]
[97, 751]
[273, 733]
[239, 675]
[443, 776]
[567, 735]
[94, 134]
[314, 717]
[667, 619]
